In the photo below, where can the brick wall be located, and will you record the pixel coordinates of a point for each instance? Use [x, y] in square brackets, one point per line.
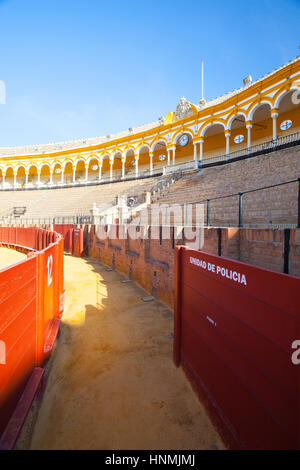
[150, 262]
[279, 204]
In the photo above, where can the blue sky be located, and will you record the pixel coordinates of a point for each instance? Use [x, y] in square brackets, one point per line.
[76, 69]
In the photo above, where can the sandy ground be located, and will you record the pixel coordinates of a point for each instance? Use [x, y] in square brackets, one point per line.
[112, 383]
[8, 257]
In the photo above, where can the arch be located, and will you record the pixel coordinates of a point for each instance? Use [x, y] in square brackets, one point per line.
[105, 159]
[177, 136]
[32, 165]
[256, 105]
[21, 175]
[144, 145]
[8, 168]
[57, 176]
[210, 124]
[66, 162]
[233, 117]
[79, 165]
[129, 149]
[288, 110]
[105, 156]
[45, 173]
[77, 160]
[9, 176]
[116, 152]
[43, 165]
[92, 157]
[285, 91]
[68, 171]
[32, 174]
[156, 141]
[20, 165]
[93, 172]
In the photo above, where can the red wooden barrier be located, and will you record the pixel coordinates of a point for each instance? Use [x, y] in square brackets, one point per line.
[77, 242]
[31, 304]
[234, 329]
[66, 230]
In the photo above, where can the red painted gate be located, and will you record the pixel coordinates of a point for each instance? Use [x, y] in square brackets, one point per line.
[31, 305]
[234, 329]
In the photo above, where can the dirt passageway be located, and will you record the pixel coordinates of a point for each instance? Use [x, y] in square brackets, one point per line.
[112, 382]
[9, 257]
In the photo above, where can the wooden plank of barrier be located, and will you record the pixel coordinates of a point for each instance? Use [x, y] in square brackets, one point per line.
[77, 244]
[177, 306]
[13, 429]
[31, 304]
[234, 329]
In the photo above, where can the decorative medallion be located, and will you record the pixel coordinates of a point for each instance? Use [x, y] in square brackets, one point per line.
[285, 125]
[239, 138]
[183, 109]
[184, 140]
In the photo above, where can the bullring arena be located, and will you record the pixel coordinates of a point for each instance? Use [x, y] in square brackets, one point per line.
[149, 280]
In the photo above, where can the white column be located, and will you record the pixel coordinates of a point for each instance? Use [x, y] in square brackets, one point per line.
[227, 136]
[86, 173]
[39, 177]
[201, 141]
[249, 127]
[174, 149]
[169, 157]
[111, 162]
[151, 162]
[3, 179]
[51, 177]
[195, 156]
[100, 171]
[274, 117]
[26, 178]
[137, 165]
[15, 180]
[74, 173]
[123, 160]
[62, 176]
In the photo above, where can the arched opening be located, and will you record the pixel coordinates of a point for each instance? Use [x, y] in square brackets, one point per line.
[144, 159]
[68, 172]
[262, 125]
[105, 167]
[1, 178]
[184, 151]
[214, 141]
[130, 162]
[57, 172]
[238, 133]
[117, 168]
[160, 154]
[9, 178]
[32, 176]
[288, 114]
[80, 171]
[45, 175]
[21, 177]
[93, 170]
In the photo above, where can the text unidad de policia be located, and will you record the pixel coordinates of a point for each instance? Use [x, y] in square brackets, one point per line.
[220, 270]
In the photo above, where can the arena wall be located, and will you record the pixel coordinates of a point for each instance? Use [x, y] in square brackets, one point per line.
[150, 262]
[278, 205]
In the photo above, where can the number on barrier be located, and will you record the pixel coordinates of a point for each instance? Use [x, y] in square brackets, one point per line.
[2, 353]
[50, 266]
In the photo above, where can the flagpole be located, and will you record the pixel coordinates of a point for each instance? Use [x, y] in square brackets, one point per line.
[202, 79]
